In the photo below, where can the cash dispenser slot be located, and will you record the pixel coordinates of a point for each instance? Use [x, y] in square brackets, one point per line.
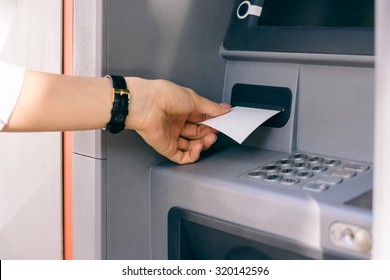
[264, 97]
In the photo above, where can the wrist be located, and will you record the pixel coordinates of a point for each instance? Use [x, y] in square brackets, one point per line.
[139, 103]
[129, 120]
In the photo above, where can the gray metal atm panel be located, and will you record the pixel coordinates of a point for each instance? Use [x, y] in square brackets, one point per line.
[218, 187]
[88, 60]
[336, 111]
[176, 40]
[89, 212]
[332, 109]
[89, 147]
[269, 74]
[128, 194]
[211, 187]
[344, 87]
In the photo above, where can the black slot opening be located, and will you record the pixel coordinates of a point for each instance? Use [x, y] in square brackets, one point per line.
[264, 97]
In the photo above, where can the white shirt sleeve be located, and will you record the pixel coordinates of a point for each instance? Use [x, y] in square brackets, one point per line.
[11, 82]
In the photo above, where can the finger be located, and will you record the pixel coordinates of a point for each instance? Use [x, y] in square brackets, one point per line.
[207, 107]
[206, 142]
[188, 156]
[196, 117]
[183, 144]
[189, 151]
[194, 131]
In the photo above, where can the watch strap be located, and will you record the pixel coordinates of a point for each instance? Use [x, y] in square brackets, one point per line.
[120, 104]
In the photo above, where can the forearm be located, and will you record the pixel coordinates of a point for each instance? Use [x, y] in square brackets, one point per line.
[50, 102]
[163, 113]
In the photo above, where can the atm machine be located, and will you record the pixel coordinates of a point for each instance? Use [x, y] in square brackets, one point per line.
[299, 187]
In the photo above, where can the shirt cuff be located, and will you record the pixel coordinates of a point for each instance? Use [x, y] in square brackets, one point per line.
[11, 82]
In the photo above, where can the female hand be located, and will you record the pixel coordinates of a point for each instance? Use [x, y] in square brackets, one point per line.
[166, 117]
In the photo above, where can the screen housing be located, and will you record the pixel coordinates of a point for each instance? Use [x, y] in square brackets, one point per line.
[193, 236]
[327, 31]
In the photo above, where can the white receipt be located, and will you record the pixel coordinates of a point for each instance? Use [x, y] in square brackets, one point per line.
[240, 122]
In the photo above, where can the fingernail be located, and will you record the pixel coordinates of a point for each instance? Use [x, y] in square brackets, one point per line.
[225, 105]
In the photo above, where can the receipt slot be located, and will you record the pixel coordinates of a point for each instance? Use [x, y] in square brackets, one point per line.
[264, 97]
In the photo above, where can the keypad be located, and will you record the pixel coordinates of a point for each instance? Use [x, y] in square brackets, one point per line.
[309, 172]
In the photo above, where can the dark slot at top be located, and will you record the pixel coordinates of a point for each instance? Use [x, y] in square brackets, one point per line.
[264, 97]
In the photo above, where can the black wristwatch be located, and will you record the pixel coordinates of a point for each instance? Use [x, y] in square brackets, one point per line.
[120, 104]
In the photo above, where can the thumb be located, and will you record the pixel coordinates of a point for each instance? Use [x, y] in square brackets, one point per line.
[210, 108]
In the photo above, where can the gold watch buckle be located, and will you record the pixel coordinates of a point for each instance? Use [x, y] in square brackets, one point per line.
[119, 91]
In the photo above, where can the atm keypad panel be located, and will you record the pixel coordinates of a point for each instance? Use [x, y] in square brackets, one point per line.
[310, 172]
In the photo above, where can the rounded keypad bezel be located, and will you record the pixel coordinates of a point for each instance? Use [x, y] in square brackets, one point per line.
[310, 172]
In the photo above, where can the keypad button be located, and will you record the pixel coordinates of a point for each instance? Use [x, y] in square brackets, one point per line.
[355, 167]
[284, 162]
[331, 162]
[287, 171]
[272, 178]
[343, 173]
[298, 157]
[304, 174]
[301, 165]
[330, 180]
[257, 174]
[318, 168]
[315, 187]
[270, 168]
[289, 181]
[314, 159]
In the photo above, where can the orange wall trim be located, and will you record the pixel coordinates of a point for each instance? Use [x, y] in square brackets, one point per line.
[67, 136]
